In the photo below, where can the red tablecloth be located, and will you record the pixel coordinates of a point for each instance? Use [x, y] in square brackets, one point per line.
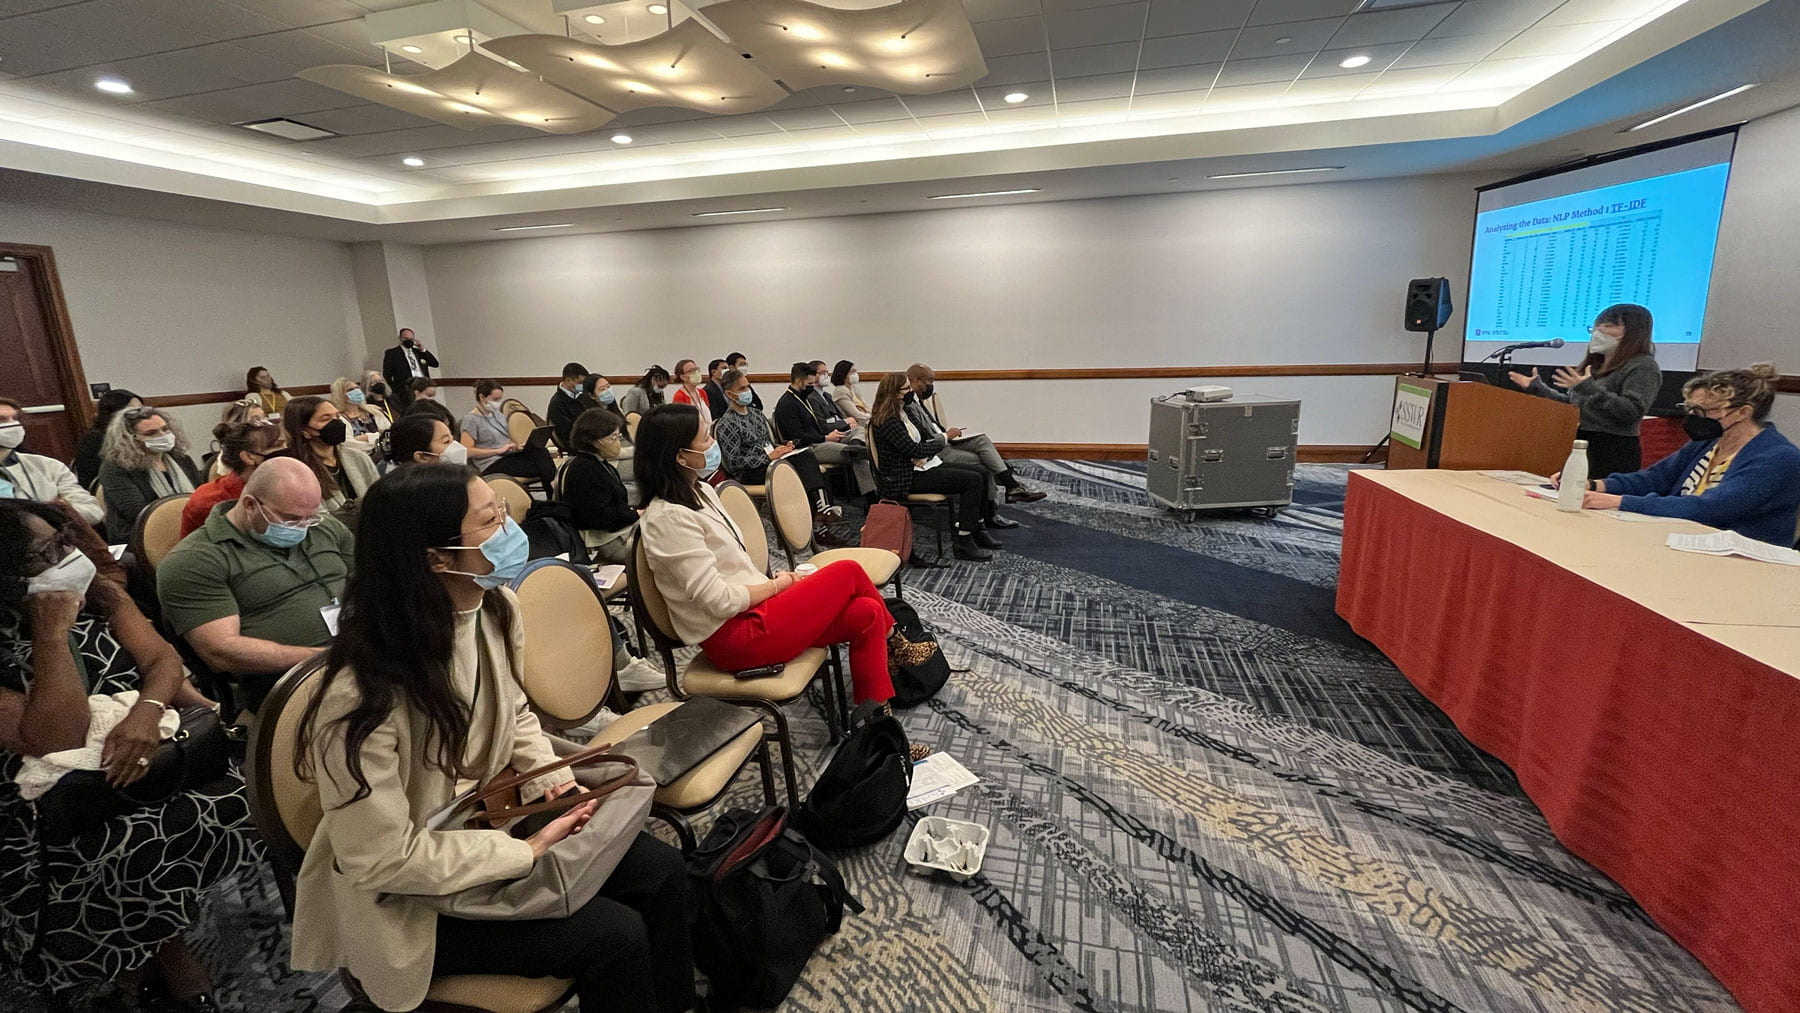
[1665, 759]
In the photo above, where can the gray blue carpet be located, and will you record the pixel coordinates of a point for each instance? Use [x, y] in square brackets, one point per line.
[1205, 794]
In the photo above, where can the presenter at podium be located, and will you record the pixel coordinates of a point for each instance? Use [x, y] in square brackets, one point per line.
[1613, 386]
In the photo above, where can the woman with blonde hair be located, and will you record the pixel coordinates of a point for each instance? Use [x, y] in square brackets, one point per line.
[352, 405]
[1738, 473]
[375, 388]
[143, 458]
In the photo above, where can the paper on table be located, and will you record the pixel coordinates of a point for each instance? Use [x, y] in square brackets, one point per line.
[605, 575]
[1549, 494]
[1625, 515]
[1730, 543]
[937, 777]
[1518, 477]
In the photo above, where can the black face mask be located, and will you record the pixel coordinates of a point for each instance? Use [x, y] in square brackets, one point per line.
[1699, 427]
[930, 389]
[378, 389]
[334, 433]
[407, 342]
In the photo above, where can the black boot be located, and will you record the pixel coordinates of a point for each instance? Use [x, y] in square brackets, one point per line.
[985, 540]
[965, 548]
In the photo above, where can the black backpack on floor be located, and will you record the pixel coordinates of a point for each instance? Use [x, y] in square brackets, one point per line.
[860, 796]
[764, 899]
[915, 684]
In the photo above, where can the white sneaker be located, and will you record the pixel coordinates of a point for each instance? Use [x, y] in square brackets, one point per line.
[641, 676]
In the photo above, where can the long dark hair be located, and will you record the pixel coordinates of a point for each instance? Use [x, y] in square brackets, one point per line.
[1638, 324]
[14, 542]
[662, 435]
[398, 626]
[889, 395]
[250, 384]
[407, 437]
[840, 373]
[296, 418]
[110, 404]
[239, 438]
[647, 383]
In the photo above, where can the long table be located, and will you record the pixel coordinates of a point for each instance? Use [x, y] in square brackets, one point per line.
[1647, 699]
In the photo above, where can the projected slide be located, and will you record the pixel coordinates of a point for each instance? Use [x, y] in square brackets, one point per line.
[1543, 269]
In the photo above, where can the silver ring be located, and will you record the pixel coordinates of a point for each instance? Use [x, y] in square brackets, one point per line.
[143, 761]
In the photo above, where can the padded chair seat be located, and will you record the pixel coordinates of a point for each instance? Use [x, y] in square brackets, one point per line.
[499, 993]
[926, 497]
[699, 786]
[703, 678]
[879, 564]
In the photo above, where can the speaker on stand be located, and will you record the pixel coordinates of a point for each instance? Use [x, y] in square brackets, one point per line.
[1427, 309]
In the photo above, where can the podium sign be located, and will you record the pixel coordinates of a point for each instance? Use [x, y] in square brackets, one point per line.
[1464, 425]
[1412, 410]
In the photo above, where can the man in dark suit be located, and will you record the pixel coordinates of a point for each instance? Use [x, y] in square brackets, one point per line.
[566, 404]
[408, 361]
[715, 394]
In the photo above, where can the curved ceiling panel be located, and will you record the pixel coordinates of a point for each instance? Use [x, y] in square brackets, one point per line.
[914, 47]
[474, 91]
[687, 66]
[406, 94]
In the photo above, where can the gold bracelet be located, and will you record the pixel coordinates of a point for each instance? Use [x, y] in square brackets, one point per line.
[159, 704]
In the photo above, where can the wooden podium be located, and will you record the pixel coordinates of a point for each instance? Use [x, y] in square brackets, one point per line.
[1464, 425]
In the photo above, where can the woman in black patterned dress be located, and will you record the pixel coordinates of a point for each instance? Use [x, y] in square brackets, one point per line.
[111, 905]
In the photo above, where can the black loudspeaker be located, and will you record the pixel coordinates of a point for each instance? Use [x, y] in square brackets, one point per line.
[1427, 304]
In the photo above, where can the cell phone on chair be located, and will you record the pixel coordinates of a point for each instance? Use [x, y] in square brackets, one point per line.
[761, 671]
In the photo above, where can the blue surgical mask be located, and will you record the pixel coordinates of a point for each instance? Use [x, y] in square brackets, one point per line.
[713, 457]
[745, 396]
[355, 396]
[606, 396]
[280, 534]
[507, 549]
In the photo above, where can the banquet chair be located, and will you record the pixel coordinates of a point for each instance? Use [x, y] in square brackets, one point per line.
[792, 513]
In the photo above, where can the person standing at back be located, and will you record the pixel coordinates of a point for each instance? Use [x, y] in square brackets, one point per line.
[1613, 386]
[407, 361]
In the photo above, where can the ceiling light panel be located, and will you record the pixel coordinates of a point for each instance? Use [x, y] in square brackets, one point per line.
[621, 21]
[687, 67]
[433, 34]
[914, 47]
[474, 91]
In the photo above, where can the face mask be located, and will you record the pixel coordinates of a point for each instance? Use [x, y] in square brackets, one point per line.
[853, 379]
[494, 404]
[355, 396]
[691, 379]
[577, 388]
[606, 396]
[408, 342]
[1602, 344]
[455, 453]
[280, 534]
[160, 444]
[930, 389]
[73, 573]
[713, 458]
[609, 447]
[507, 549]
[11, 435]
[1699, 427]
[378, 389]
[334, 433]
[744, 397]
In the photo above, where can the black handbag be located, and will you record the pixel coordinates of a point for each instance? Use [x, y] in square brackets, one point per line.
[860, 796]
[915, 684]
[197, 754]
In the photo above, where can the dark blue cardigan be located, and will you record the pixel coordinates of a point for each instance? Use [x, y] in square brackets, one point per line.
[1758, 497]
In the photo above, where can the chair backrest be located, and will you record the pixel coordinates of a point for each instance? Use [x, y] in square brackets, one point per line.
[99, 492]
[874, 455]
[517, 500]
[285, 808]
[647, 601]
[519, 427]
[157, 531]
[774, 428]
[568, 643]
[513, 404]
[937, 409]
[631, 423]
[741, 508]
[789, 506]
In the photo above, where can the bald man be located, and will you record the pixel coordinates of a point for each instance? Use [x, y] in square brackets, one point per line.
[971, 451]
[255, 589]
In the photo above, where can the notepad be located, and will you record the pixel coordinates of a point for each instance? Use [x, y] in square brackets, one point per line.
[968, 434]
[1730, 543]
[937, 777]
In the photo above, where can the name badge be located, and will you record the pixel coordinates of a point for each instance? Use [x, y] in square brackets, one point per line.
[329, 613]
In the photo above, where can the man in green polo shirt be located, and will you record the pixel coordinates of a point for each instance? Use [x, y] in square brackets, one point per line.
[255, 590]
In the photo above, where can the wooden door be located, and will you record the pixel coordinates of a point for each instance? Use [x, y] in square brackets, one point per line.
[43, 369]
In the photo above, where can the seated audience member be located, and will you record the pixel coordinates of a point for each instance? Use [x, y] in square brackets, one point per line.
[247, 409]
[243, 447]
[36, 477]
[717, 597]
[737, 361]
[434, 409]
[714, 391]
[922, 384]
[747, 449]
[490, 443]
[420, 438]
[845, 396]
[912, 462]
[1738, 473]
[645, 394]
[807, 418]
[424, 387]
[112, 904]
[687, 375]
[145, 457]
[254, 591]
[315, 438]
[353, 407]
[592, 488]
[565, 402]
[261, 386]
[400, 723]
[379, 397]
[87, 452]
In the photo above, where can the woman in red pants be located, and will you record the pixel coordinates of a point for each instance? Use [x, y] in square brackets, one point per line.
[718, 598]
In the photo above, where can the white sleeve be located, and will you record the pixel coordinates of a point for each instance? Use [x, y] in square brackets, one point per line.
[676, 545]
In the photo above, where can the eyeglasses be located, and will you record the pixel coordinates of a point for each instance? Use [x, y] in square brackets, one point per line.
[141, 413]
[1707, 410]
[52, 550]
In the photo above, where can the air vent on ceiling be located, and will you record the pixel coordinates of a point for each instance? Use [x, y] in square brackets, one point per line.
[293, 130]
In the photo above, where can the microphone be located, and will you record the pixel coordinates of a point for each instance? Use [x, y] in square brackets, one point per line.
[1509, 349]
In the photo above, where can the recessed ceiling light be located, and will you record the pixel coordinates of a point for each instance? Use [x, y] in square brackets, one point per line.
[746, 211]
[522, 228]
[114, 85]
[1690, 108]
[985, 193]
[412, 160]
[1284, 40]
[621, 138]
[411, 49]
[594, 19]
[1352, 62]
[658, 8]
[462, 39]
[1015, 97]
[1276, 172]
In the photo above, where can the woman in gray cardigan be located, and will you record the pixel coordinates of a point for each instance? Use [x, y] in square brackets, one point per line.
[1613, 386]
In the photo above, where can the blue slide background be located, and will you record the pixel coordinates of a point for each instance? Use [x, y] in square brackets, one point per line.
[1543, 270]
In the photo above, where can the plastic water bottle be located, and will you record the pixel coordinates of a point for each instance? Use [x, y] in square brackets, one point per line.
[1574, 479]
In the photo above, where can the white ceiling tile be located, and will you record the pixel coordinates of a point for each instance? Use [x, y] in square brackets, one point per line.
[299, 48]
[1118, 23]
[1090, 61]
[1017, 69]
[744, 126]
[1340, 88]
[304, 13]
[1304, 38]
[113, 30]
[1010, 37]
[1477, 16]
[1504, 73]
[1405, 25]
[1437, 52]
[1419, 81]
[290, 97]
[877, 111]
[1580, 11]
[363, 119]
[1097, 109]
[1088, 89]
[1380, 58]
[949, 103]
[1556, 40]
[1168, 103]
[1264, 71]
[999, 10]
[804, 119]
[1182, 50]
[1156, 82]
[1269, 12]
[1191, 17]
[1246, 96]
[213, 19]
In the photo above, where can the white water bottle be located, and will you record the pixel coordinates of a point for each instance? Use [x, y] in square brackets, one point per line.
[1574, 479]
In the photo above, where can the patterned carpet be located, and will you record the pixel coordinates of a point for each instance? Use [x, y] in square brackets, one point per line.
[1205, 794]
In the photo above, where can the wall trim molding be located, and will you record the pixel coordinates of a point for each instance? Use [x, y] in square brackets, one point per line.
[1315, 453]
[223, 396]
[1070, 373]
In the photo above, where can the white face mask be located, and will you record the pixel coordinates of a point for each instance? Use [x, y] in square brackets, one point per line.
[455, 453]
[11, 435]
[160, 444]
[853, 379]
[73, 573]
[1602, 343]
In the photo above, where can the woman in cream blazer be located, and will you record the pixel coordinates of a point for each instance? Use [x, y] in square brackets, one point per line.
[419, 703]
